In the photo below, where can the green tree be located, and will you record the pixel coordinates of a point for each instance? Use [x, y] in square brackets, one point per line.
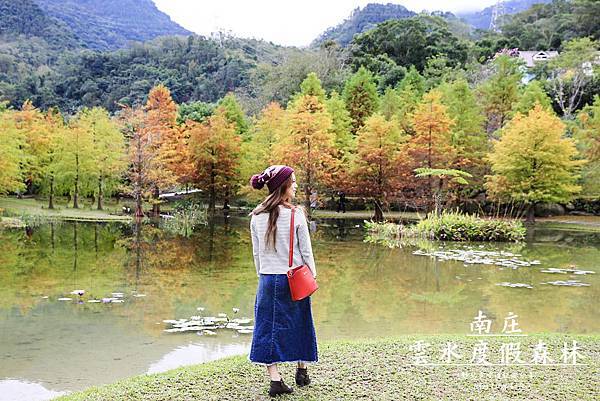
[12, 142]
[468, 135]
[234, 114]
[389, 105]
[532, 162]
[312, 86]
[587, 134]
[46, 159]
[109, 151]
[500, 92]
[341, 125]
[421, 37]
[195, 111]
[32, 124]
[531, 95]
[414, 80]
[360, 96]
[75, 158]
[571, 72]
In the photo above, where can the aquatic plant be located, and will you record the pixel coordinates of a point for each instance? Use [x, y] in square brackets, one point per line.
[185, 218]
[448, 226]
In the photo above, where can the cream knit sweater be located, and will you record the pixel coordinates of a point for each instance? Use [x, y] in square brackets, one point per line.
[269, 261]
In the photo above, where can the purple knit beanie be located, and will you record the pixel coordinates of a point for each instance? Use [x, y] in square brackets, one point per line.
[273, 176]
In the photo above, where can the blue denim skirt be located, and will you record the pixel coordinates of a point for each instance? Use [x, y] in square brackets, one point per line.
[283, 329]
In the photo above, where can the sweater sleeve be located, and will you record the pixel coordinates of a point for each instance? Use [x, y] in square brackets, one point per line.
[255, 245]
[304, 244]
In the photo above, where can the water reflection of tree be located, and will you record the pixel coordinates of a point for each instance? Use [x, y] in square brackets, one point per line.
[52, 259]
[217, 243]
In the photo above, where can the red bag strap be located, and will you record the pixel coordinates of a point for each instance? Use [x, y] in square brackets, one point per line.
[291, 258]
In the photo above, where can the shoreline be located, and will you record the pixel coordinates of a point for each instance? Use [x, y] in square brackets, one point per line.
[378, 369]
[36, 208]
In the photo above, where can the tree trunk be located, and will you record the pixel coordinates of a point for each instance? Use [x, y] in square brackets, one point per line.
[51, 197]
[226, 206]
[156, 205]
[100, 193]
[530, 214]
[139, 212]
[307, 191]
[213, 192]
[76, 194]
[378, 216]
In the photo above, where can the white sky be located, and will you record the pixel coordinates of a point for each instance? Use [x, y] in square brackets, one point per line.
[285, 22]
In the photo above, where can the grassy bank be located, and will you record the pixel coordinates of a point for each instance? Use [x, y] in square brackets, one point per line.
[379, 369]
[366, 215]
[32, 207]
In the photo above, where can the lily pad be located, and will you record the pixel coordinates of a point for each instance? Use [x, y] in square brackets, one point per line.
[568, 283]
[515, 285]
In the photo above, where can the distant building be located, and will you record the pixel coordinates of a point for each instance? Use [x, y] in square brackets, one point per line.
[529, 58]
[532, 57]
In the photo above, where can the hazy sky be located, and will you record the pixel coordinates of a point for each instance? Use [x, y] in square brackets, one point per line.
[286, 22]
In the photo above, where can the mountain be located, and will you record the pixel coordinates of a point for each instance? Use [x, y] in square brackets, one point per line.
[111, 24]
[362, 20]
[481, 19]
[25, 19]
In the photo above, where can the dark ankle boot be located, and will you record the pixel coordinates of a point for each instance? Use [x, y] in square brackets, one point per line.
[279, 387]
[302, 378]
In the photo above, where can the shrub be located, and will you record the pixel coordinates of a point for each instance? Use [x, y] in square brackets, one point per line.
[449, 226]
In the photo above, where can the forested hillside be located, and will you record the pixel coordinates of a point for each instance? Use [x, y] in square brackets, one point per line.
[25, 19]
[362, 20]
[481, 19]
[111, 24]
[52, 70]
[411, 93]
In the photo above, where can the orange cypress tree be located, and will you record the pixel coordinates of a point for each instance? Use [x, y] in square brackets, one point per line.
[215, 150]
[141, 154]
[308, 145]
[160, 128]
[429, 147]
[257, 153]
[374, 169]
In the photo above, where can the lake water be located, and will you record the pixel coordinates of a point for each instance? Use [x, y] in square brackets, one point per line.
[48, 346]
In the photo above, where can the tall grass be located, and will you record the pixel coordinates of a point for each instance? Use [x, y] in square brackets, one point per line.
[449, 226]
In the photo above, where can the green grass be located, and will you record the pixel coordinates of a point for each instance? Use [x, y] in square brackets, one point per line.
[377, 370]
[33, 207]
[365, 214]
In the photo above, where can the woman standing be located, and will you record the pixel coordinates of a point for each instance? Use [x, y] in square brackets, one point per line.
[283, 328]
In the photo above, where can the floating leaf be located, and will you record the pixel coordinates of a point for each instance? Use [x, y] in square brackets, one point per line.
[514, 285]
[568, 283]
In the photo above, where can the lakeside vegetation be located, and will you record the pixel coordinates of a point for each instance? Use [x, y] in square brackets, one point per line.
[442, 119]
[450, 226]
[378, 369]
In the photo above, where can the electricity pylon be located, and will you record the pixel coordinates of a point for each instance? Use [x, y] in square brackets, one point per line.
[497, 16]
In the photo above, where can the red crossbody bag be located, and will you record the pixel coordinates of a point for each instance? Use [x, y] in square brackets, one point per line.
[301, 280]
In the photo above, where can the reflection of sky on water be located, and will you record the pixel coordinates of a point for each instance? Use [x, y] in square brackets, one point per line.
[365, 291]
[19, 390]
[194, 353]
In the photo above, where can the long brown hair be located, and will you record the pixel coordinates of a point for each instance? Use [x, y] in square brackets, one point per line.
[271, 205]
